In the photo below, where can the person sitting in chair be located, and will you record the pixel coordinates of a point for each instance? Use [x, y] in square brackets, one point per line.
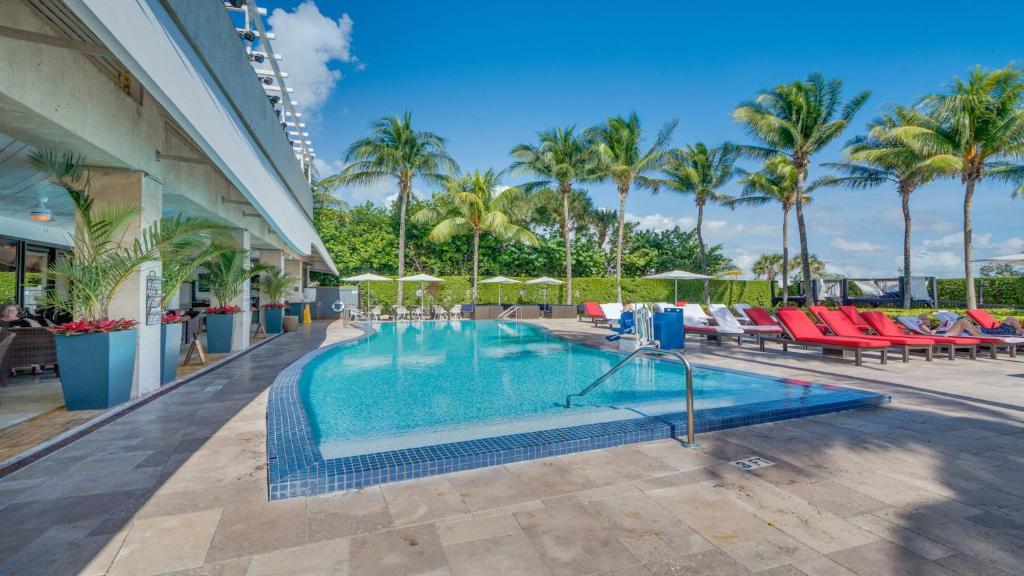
[929, 325]
[10, 315]
[627, 323]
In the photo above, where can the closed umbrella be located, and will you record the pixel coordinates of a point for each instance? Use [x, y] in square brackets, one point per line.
[422, 279]
[367, 278]
[545, 281]
[676, 276]
[1010, 259]
[499, 280]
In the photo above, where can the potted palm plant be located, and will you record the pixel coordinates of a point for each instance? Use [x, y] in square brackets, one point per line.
[229, 270]
[274, 284]
[179, 264]
[97, 353]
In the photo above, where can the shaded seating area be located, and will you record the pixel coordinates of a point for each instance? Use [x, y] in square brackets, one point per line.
[873, 292]
[34, 346]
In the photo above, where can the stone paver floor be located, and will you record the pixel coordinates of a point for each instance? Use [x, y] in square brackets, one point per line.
[930, 485]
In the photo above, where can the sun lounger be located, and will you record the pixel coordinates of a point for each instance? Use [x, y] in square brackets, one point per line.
[884, 326]
[803, 332]
[983, 318]
[725, 319]
[855, 316]
[594, 312]
[612, 311]
[841, 325]
[697, 321]
[761, 317]
[913, 324]
[741, 311]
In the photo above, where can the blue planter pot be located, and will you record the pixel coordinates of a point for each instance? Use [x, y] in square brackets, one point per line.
[273, 318]
[96, 369]
[295, 309]
[170, 349]
[220, 329]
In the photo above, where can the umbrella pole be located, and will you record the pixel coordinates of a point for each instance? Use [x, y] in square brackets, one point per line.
[677, 292]
[499, 294]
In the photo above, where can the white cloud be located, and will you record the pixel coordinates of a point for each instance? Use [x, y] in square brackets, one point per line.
[957, 239]
[932, 262]
[309, 42]
[845, 245]
[325, 168]
[660, 222]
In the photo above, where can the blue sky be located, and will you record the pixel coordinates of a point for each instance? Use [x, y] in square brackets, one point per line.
[487, 76]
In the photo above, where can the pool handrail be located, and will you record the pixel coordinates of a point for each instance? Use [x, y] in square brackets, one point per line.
[691, 433]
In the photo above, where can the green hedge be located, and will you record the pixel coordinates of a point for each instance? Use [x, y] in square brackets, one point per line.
[457, 290]
[1005, 290]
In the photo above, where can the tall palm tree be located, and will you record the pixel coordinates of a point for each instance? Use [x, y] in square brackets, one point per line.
[702, 172]
[775, 182]
[977, 134]
[474, 205]
[878, 159]
[394, 150]
[623, 161]
[561, 159]
[798, 119]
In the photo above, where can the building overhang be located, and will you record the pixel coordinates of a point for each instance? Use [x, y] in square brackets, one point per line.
[147, 40]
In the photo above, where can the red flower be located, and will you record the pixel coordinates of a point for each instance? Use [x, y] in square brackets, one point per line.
[93, 326]
[173, 317]
[223, 310]
[275, 305]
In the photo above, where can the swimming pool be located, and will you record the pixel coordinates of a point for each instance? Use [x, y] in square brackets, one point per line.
[451, 395]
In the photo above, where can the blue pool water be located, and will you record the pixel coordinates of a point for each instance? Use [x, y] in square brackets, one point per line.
[413, 384]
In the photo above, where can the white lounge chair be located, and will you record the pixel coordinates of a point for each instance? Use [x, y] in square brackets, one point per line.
[697, 321]
[455, 312]
[373, 313]
[401, 312]
[741, 311]
[612, 312]
[725, 319]
[440, 312]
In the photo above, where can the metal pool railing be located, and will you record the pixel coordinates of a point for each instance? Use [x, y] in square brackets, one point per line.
[691, 433]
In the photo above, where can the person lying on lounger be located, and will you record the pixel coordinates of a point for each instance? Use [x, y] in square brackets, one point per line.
[627, 325]
[930, 325]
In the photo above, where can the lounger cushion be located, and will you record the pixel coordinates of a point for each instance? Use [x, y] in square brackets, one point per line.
[841, 325]
[593, 309]
[983, 318]
[884, 326]
[761, 317]
[855, 316]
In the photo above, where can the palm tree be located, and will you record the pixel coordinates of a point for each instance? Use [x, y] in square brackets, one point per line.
[702, 172]
[228, 271]
[978, 130]
[798, 119]
[775, 182]
[622, 161]
[475, 205]
[878, 159]
[768, 266]
[602, 220]
[396, 151]
[561, 159]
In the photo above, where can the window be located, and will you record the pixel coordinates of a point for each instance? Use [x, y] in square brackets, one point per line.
[37, 272]
[8, 270]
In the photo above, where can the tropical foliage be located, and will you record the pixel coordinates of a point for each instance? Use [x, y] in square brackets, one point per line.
[474, 205]
[798, 119]
[228, 271]
[274, 284]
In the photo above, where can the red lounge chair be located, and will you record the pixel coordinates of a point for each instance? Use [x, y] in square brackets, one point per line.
[816, 312]
[594, 312]
[840, 325]
[855, 316]
[984, 319]
[884, 326]
[803, 332]
[681, 303]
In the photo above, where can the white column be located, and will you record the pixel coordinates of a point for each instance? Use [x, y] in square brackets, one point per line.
[243, 320]
[293, 268]
[130, 302]
[273, 258]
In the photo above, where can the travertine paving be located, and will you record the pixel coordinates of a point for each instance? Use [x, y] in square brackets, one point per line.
[930, 485]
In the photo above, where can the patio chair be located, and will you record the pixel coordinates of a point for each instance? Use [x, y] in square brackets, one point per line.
[983, 318]
[801, 331]
[841, 325]
[761, 317]
[373, 313]
[695, 320]
[913, 324]
[455, 312]
[884, 326]
[612, 312]
[855, 316]
[594, 312]
[401, 312]
[741, 311]
[725, 319]
[34, 346]
[440, 312]
[6, 337]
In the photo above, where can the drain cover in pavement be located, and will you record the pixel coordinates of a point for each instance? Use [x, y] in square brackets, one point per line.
[752, 463]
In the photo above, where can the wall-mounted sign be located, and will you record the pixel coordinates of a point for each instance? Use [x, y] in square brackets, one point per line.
[154, 298]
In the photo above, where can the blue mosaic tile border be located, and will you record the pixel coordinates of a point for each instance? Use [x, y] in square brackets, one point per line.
[296, 467]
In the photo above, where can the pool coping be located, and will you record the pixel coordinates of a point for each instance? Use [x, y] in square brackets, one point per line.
[297, 468]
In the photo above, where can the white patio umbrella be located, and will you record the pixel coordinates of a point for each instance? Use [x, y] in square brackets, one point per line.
[677, 275]
[499, 280]
[545, 281]
[1009, 259]
[422, 279]
[367, 278]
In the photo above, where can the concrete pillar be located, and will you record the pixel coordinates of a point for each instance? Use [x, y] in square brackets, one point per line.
[130, 302]
[273, 258]
[243, 320]
[293, 267]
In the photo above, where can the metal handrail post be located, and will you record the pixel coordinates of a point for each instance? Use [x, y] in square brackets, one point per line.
[691, 432]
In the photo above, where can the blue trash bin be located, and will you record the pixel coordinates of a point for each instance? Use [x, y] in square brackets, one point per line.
[668, 328]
